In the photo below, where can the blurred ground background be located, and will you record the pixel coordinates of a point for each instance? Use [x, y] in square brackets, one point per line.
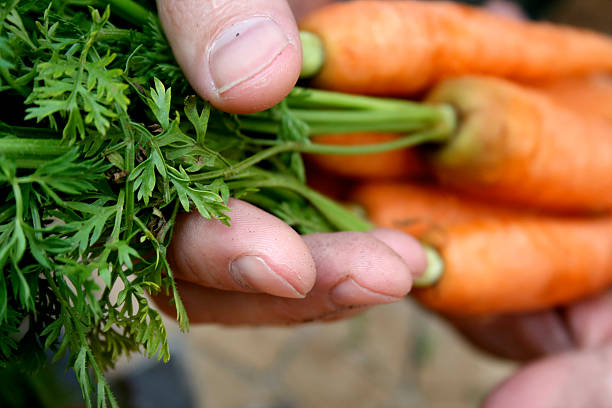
[393, 356]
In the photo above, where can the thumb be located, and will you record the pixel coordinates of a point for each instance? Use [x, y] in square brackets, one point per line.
[241, 55]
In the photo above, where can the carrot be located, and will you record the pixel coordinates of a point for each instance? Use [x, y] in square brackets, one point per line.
[496, 260]
[515, 145]
[403, 47]
[392, 164]
[591, 94]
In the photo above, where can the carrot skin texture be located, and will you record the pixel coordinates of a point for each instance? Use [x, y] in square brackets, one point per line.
[401, 48]
[589, 95]
[516, 145]
[496, 260]
[402, 163]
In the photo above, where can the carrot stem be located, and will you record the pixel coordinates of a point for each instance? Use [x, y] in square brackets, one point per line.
[425, 136]
[31, 153]
[351, 113]
[313, 54]
[130, 10]
[344, 126]
[434, 271]
[311, 98]
[437, 134]
[337, 215]
[342, 117]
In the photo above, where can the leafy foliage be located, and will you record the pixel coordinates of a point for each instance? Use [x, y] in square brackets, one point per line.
[86, 222]
[102, 144]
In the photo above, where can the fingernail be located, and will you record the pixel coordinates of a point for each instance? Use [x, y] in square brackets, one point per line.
[252, 272]
[244, 50]
[349, 292]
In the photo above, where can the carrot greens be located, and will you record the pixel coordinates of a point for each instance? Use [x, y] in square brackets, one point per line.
[102, 143]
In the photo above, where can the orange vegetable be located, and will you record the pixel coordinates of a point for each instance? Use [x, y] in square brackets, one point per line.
[516, 145]
[392, 164]
[590, 94]
[404, 47]
[496, 260]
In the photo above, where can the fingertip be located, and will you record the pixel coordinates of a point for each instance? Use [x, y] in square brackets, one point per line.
[358, 269]
[407, 247]
[252, 272]
[242, 56]
[257, 253]
[263, 88]
[350, 292]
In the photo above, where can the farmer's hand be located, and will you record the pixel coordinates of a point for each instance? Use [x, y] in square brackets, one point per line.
[574, 348]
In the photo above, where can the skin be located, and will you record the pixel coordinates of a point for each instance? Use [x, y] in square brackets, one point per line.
[324, 277]
[567, 354]
[307, 278]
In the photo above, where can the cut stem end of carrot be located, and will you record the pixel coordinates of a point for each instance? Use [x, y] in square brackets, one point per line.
[434, 271]
[313, 54]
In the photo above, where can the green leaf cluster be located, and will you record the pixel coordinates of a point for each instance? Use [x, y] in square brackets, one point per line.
[102, 145]
[97, 158]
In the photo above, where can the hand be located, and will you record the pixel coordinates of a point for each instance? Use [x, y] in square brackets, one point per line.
[574, 347]
[260, 271]
[245, 56]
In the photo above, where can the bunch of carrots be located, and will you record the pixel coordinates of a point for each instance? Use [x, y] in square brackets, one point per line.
[517, 194]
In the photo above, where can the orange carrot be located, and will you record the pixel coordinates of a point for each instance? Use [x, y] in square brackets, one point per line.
[392, 164]
[516, 145]
[496, 260]
[591, 94]
[403, 47]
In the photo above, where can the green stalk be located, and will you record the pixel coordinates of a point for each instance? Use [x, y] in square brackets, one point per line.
[27, 132]
[407, 115]
[333, 112]
[435, 135]
[32, 163]
[314, 129]
[246, 163]
[6, 75]
[430, 135]
[337, 215]
[118, 34]
[31, 153]
[310, 97]
[131, 11]
[129, 167]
